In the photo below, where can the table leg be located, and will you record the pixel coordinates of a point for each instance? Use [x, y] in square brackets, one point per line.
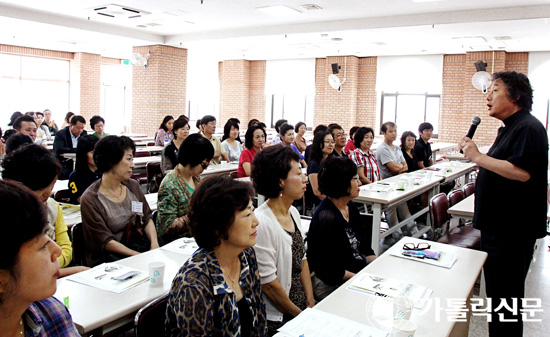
[376, 222]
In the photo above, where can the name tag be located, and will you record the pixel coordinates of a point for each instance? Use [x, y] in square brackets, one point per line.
[137, 207]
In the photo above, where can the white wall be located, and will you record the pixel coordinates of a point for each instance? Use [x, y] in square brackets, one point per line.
[539, 75]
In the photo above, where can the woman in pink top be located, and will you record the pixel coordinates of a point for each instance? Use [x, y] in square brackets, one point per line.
[254, 141]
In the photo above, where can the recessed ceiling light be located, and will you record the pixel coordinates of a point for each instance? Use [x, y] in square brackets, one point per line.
[279, 10]
[336, 39]
[426, 0]
[311, 7]
[501, 38]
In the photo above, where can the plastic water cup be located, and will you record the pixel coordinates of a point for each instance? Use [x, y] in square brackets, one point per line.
[156, 274]
[403, 328]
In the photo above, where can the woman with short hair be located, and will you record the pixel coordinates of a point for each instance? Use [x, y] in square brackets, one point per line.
[178, 186]
[217, 292]
[299, 141]
[254, 141]
[337, 223]
[287, 139]
[164, 135]
[231, 142]
[97, 123]
[408, 142]
[85, 172]
[116, 219]
[284, 270]
[67, 119]
[363, 157]
[170, 152]
[29, 269]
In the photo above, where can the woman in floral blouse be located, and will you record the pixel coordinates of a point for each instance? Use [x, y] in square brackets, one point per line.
[217, 292]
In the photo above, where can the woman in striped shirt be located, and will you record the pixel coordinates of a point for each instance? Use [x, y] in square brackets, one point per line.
[364, 158]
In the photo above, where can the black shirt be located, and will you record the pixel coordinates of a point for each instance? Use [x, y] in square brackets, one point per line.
[245, 317]
[412, 162]
[423, 152]
[508, 207]
[80, 181]
[171, 152]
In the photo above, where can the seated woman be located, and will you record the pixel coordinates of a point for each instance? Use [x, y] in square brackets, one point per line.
[287, 138]
[29, 269]
[67, 119]
[230, 142]
[350, 147]
[20, 165]
[177, 187]
[164, 135]
[363, 157]
[337, 224]
[116, 218]
[299, 141]
[277, 138]
[97, 123]
[284, 270]
[217, 292]
[85, 172]
[254, 141]
[408, 141]
[323, 145]
[170, 152]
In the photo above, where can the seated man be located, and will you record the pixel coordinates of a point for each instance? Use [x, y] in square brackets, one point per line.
[339, 136]
[423, 149]
[26, 125]
[208, 127]
[66, 141]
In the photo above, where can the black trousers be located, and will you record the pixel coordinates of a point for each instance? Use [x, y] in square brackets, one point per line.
[505, 271]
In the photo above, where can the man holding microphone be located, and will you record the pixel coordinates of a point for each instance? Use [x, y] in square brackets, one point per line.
[510, 197]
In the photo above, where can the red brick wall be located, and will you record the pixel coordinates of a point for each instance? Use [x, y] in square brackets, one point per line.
[88, 68]
[35, 52]
[256, 107]
[366, 92]
[159, 89]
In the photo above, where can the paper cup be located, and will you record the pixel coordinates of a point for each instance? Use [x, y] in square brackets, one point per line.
[223, 163]
[156, 273]
[403, 328]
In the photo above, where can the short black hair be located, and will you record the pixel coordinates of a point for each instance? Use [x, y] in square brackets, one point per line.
[207, 119]
[25, 220]
[252, 122]
[178, 124]
[335, 176]
[183, 117]
[68, 116]
[262, 125]
[352, 131]
[165, 120]
[213, 206]
[297, 126]
[194, 150]
[425, 126]
[386, 125]
[360, 136]
[333, 127]
[78, 118]
[24, 118]
[39, 113]
[96, 119]
[86, 143]
[249, 136]
[279, 123]
[518, 88]
[318, 145]
[270, 165]
[8, 133]
[21, 165]
[285, 128]
[109, 151]
[14, 117]
[227, 128]
[235, 120]
[16, 141]
[404, 138]
[320, 127]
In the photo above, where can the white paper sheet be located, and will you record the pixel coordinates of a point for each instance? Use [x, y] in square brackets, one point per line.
[102, 277]
[185, 246]
[446, 260]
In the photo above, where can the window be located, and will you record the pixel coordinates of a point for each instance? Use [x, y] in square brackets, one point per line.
[409, 110]
[294, 108]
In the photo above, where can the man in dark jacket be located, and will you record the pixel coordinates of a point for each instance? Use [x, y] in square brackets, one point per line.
[65, 142]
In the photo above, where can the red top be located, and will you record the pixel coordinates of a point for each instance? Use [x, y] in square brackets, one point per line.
[246, 157]
[349, 147]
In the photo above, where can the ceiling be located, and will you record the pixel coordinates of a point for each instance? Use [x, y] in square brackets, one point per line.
[235, 29]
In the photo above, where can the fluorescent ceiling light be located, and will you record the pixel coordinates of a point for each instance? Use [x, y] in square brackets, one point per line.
[426, 0]
[279, 10]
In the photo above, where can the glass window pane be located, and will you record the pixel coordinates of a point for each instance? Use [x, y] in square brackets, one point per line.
[41, 68]
[388, 106]
[410, 112]
[432, 113]
[276, 108]
[10, 66]
[45, 95]
[294, 108]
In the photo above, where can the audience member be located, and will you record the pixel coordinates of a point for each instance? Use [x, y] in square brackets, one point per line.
[16, 141]
[116, 218]
[408, 141]
[254, 141]
[339, 137]
[217, 292]
[208, 126]
[164, 135]
[179, 184]
[14, 117]
[287, 138]
[252, 122]
[170, 152]
[337, 224]
[97, 123]
[29, 269]
[323, 145]
[299, 141]
[85, 172]
[26, 125]
[66, 141]
[20, 166]
[318, 128]
[363, 157]
[277, 138]
[284, 270]
[423, 149]
[67, 120]
[350, 147]
[39, 119]
[231, 141]
[49, 122]
[40, 138]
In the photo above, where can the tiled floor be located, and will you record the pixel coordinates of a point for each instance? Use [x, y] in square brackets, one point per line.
[537, 286]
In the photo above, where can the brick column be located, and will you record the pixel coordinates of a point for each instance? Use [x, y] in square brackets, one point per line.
[366, 92]
[86, 84]
[159, 89]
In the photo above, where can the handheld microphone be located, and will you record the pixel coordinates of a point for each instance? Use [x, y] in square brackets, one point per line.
[475, 122]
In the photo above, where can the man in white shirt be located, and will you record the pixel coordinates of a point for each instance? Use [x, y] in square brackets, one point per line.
[208, 126]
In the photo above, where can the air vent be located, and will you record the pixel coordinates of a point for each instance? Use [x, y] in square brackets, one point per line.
[311, 7]
[502, 38]
[119, 12]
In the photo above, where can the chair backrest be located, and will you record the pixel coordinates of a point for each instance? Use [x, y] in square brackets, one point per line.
[77, 237]
[233, 175]
[455, 196]
[149, 320]
[439, 205]
[63, 196]
[154, 176]
[151, 144]
[469, 189]
[142, 154]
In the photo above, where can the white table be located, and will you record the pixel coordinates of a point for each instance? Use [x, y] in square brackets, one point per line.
[441, 147]
[152, 149]
[218, 169]
[60, 185]
[141, 162]
[98, 311]
[464, 209]
[450, 171]
[454, 283]
[460, 157]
